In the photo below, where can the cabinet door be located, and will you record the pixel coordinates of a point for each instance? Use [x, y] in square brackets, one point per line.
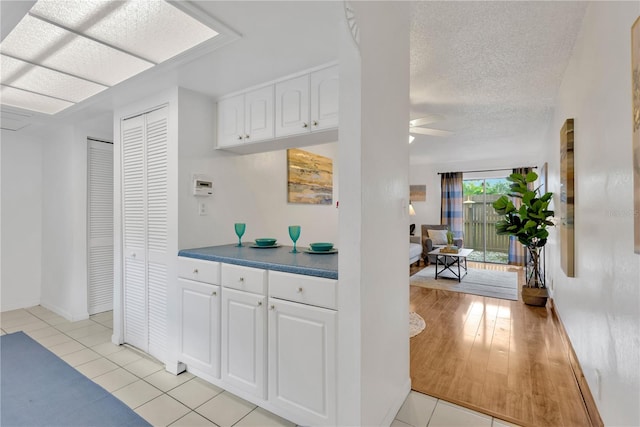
[302, 360]
[199, 328]
[324, 98]
[231, 121]
[292, 106]
[244, 341]
[258, 117]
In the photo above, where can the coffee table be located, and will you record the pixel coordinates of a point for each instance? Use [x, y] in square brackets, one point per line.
[447, 261]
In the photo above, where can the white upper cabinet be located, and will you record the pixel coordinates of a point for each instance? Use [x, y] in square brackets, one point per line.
[307, 103]
[245, 118]
[292, 106]
[289, 107]
[231, 121]
[324, 98]
[258, 114]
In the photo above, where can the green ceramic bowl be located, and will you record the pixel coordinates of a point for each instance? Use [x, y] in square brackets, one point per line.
[321, 246]
[265, 242]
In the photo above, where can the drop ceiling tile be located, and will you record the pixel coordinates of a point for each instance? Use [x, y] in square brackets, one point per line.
[154, 30]
[23, 75]
[42, 43]
[31, 101]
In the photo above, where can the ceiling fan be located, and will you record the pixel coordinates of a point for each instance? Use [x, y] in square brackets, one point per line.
[417, 126]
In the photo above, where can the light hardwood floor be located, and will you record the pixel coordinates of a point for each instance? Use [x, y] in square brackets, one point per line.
[499, 357]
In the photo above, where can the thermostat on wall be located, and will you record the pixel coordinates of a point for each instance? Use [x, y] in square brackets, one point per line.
[202, 185]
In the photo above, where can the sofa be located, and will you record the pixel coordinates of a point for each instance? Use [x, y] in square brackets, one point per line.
[428, 245]
[415, 249]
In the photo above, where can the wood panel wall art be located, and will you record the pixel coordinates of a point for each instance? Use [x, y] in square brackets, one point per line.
[309, 178]
[567, 216]
[418, 193]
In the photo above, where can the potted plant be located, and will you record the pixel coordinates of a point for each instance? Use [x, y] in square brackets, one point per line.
[528, 224]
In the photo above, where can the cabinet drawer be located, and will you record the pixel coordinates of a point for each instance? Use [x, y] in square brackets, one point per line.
[303, 289]
[199, 270]
[244, 278]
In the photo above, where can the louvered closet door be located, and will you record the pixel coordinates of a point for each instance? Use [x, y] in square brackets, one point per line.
[100, 226]
[134, 232]
[157, 231]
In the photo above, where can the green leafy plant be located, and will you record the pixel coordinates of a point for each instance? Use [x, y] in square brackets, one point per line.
[529, 222]
[449, 237]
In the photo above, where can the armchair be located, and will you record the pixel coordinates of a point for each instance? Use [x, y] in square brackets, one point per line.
[428, 245]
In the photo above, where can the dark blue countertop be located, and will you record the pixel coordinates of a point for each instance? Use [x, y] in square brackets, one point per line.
[277, 259]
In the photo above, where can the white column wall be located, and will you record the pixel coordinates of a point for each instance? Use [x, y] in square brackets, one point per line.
[374, 154]
[64, 217]
[600, 307]
[21, 223]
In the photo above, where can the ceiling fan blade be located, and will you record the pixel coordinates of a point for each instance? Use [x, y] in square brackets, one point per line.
[428, 131]
[431, 118]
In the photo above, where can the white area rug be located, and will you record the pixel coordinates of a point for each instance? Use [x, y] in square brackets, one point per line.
[416, 324]
[487, 283]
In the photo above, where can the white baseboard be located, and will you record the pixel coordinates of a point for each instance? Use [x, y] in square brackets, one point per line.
[397, 404]
[64, 313]
[17, 305]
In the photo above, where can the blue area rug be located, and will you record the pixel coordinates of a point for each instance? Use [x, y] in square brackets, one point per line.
[40, 389]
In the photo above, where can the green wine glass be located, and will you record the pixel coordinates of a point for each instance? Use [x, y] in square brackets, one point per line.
[294, 233]
[240, 229]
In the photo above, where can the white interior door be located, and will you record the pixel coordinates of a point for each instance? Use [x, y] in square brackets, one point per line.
[100, 226]
[156, 129]
[134, 233]
[145, 230]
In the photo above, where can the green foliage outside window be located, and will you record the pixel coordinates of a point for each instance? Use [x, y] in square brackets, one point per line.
[493, 186]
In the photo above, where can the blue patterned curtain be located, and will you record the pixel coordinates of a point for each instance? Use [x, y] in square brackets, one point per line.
[517, 252]
[451, 203]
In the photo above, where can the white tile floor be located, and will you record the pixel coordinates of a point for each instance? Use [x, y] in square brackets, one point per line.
[164, 399]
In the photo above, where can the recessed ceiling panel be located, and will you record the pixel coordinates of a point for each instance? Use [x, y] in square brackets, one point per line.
[23, 75]
[31, 101]
[42, 43]
[154, 30]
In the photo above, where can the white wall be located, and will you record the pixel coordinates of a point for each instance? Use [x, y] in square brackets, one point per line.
[373, 376]
[64, 217]
[600, 307]
[248, 188]
[21, 232]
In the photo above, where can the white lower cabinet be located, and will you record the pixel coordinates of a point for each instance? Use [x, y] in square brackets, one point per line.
[199, 337]
[244, 330]
[302, 361]
[270, 337]
[199, 314]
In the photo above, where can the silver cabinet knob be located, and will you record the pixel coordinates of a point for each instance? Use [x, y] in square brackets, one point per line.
[214, 293]
[300, 290]
[242, 279]
[195, 271]
[246, 137]
[240, 137]
[315, 123]
[273, 307]
[259, 303]
[304, 125]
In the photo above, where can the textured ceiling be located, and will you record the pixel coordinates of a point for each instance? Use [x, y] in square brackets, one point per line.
[492, 70]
